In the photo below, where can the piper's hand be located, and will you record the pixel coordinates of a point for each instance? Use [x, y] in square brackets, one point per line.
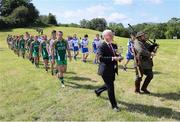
[152, 54]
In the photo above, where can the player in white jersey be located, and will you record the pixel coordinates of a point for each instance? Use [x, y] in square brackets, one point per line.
[96, 43]
[84, 45]
[40, 39]
[69, 40]
[50, 44]
[75, 43]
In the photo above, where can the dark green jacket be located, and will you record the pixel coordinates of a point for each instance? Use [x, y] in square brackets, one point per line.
[145, 55]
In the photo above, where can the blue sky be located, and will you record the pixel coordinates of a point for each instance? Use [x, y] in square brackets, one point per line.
[124, 11]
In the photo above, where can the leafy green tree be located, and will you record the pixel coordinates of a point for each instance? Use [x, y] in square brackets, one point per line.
[99, 24]
[43, 19]
[74, 25]
[173, 29]
[8, 6]
[33, 13]
[118, 29]
[18, 13]
[84, 23]
[52, 19]
[20, 16]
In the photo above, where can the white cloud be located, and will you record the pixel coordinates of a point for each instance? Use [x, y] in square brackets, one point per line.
[116, 17]
[87, 13]
[154, 1]
[123, 2]
[129, 2]
[97, 11]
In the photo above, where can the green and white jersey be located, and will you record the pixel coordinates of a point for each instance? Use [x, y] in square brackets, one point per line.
[60, 49]
[14, 43]
[17, 43]
[29, 42]
[44, 48]
[22, 44]
[35, 46]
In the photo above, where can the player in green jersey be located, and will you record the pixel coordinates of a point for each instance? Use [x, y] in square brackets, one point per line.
[17, 46]
[26, 38]
[34, 50]
[59, 49]
[22, 46]
[28, 44]
[13, 43]
[44, 51]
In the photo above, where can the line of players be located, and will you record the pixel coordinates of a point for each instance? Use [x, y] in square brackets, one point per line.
[55, 50]
[21, 44]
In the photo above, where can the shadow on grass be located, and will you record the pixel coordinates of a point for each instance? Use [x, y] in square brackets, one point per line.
[2, 49]
[169, 96]
[157, 72]
[80, 86]
[73, 73]
[149, 110]
[122, 67]
[81, 78]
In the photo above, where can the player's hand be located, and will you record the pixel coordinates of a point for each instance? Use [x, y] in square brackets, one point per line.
[53, 61]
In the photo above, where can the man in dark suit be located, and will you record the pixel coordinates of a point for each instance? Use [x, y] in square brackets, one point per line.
[108, 67]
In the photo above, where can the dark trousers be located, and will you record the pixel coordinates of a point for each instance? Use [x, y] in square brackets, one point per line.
[109, 86]
[149, 77]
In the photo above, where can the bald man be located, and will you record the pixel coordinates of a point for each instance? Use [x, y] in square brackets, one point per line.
[108, 67]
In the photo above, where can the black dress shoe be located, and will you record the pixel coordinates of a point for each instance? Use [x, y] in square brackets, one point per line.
[116, 109]
[125, 68]
[97, 94]
[145, 91]
[137, 92]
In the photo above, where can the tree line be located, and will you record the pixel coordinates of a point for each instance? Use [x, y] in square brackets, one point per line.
[22, 13]
[166, 30]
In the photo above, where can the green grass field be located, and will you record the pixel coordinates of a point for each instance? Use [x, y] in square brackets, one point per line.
[27, 93]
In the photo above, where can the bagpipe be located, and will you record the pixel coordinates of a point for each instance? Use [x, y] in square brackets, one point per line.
[153, 46]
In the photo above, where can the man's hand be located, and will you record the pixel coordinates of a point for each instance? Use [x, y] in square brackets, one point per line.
[121, 58]
[117, 58]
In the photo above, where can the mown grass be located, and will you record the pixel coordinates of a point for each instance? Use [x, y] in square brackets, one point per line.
[27, 93]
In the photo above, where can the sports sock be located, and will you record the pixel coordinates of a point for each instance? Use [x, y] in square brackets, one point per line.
[62, 80]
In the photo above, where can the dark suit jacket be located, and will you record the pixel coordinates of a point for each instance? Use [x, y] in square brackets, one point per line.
[107, 67]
